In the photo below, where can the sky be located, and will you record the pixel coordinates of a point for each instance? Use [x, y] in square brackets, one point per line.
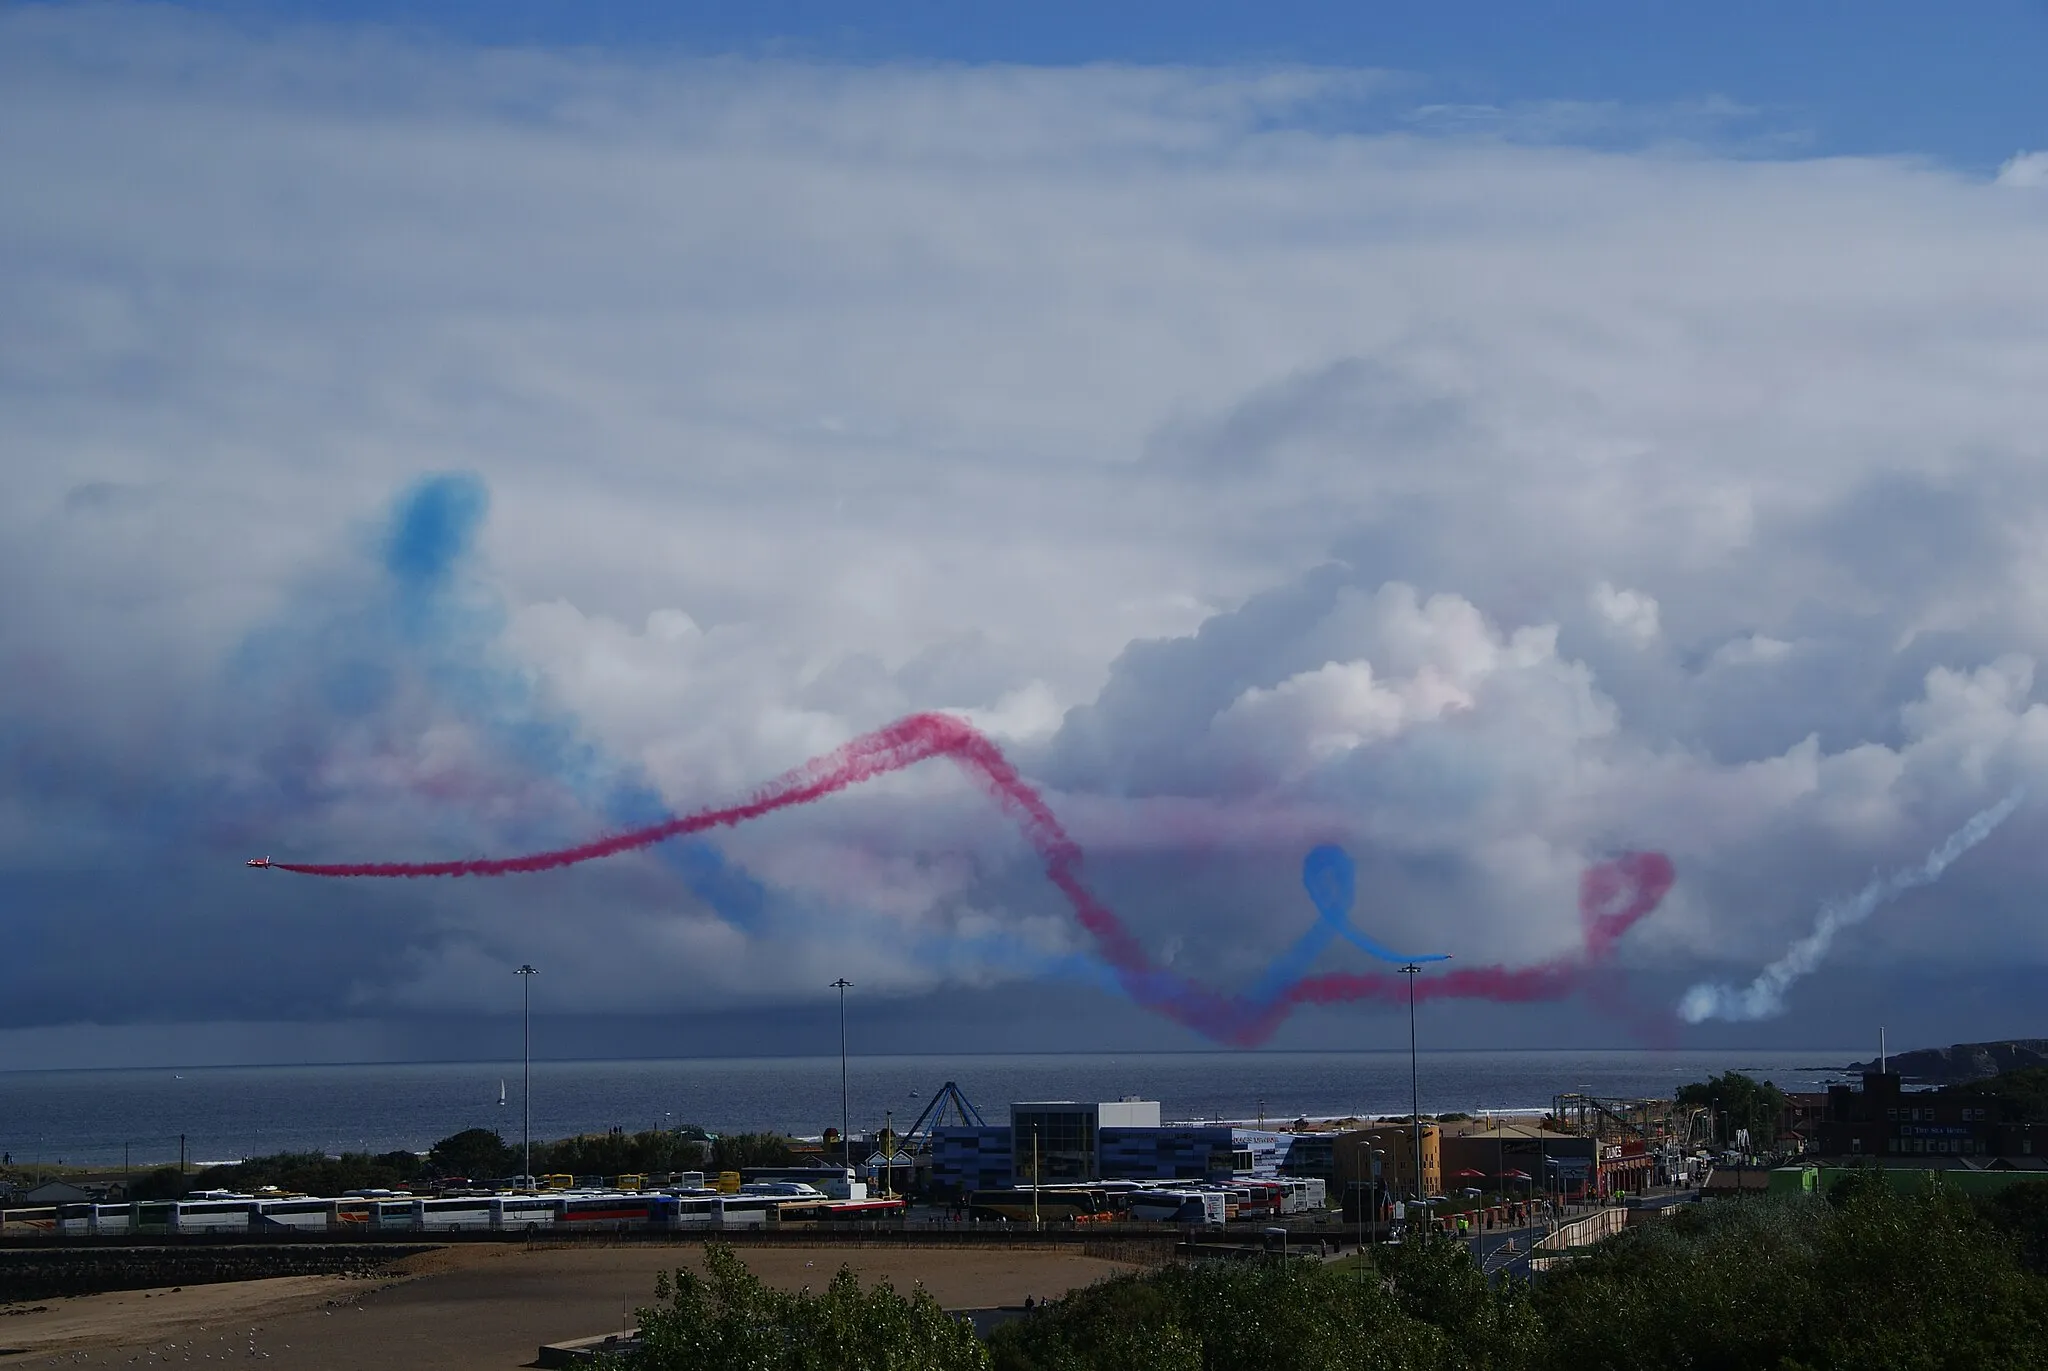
[1485, 439]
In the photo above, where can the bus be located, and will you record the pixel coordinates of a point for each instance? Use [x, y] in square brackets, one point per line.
[749, 1211]
[615, 1212]
[299, 1212]
[842, 1211]
[211, 1215]
[81, 1220]
[453, 1214]
[524, 1213]
[1202, 1207]
[355, 1214]
[16, 1223]
[1016, 1205]
[394, 1215]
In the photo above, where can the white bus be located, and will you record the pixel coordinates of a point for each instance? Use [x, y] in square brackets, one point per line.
[453, 1214]
[1204, 1207]
[211, 1215]
[21, 1222]
[299, 1212]
[396, 1215]
[524, 1213]
[749, 1211]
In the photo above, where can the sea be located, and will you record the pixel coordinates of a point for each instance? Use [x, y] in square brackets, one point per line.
[124, 1118]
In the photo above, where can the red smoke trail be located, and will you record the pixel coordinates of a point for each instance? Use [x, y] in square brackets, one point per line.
[1613, 896]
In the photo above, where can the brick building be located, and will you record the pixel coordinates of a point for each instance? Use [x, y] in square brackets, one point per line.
[1887, 1123]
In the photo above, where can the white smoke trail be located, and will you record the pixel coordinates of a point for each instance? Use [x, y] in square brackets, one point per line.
[1764, 997]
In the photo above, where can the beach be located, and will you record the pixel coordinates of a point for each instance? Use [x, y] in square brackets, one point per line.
[478, 1306]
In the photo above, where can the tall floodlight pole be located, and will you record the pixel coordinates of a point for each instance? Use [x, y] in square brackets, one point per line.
[842, 985]
[1414, 1076]
[526, 973]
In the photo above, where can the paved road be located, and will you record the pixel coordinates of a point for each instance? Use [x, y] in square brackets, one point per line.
[1490, 1249]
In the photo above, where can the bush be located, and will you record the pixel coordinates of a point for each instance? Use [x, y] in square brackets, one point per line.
[305, 1172]
[737, 1150]
[727, 1320]
[617, 1154]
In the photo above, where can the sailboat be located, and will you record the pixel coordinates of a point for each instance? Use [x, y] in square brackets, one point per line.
[501, 1092]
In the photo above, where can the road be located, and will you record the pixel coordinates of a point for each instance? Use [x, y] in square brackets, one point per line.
[1491, 1250]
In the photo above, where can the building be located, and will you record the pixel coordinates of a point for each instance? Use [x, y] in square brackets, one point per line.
[1065, 1140]
[1884, 1122]
[1188, 1152]
[1508, 1156]
[1061, 1140]
[1394, 1143]
[971, 1158]
[1800, 1119]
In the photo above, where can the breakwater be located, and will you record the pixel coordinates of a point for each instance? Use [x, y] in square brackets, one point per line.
[50, 1272]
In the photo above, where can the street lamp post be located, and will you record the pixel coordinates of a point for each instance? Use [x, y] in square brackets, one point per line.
[1414, 1076]
[526, 973]
[842, 985]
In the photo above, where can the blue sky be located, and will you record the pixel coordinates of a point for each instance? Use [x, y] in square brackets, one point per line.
[1961, 84]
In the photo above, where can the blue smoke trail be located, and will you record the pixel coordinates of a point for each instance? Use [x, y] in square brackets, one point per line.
[448, 630]
[441, 624]
[1331, 879]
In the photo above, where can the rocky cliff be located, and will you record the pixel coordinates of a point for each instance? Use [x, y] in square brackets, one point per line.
[1964, 1061]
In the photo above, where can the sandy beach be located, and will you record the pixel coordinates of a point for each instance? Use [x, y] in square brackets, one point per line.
[483, 1306]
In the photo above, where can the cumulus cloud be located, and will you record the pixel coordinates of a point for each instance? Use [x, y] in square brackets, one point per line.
[1631, 614]
[1483, 505]
[2029, 169]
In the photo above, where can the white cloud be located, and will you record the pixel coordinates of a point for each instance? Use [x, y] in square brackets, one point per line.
[1631, 614]
[2028, 169]
[1245, 474]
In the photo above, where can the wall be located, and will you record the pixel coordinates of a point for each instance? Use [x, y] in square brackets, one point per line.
[51, 1273]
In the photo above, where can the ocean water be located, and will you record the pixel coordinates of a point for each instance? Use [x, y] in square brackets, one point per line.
[106, 1118]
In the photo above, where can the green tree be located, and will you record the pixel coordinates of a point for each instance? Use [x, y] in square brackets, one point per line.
[733, 1151]
[2018, 1096]
[307, 1173]
[614, 1154]
[1739, 1102]
[727, 1320]
[164, 1183]
[2020, 1212]
[1865, 1278]
[475, 1153]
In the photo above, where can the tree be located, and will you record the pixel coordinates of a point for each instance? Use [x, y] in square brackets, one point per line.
[733, 1151]
[2021, 1213]
[2019, 1096]
[727, 1320]
[305, 1173]
[615, 1154]
[474, 1153]
[1739, 1102]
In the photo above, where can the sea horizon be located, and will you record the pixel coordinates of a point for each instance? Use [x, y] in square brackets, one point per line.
[99, 1116]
